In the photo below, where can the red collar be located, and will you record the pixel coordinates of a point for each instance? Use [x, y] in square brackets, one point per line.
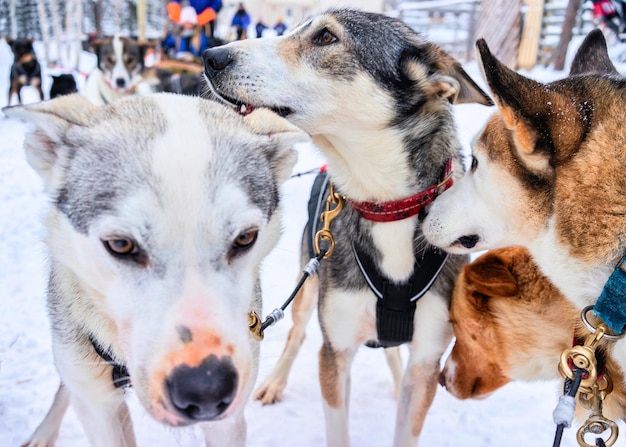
[408, 207]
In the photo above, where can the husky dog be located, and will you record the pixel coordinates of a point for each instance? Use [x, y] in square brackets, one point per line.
[163, 207]
[548, 174]
[382, 116]
[118, 70]
[501, 308]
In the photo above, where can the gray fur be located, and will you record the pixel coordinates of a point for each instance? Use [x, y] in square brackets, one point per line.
[139, 169]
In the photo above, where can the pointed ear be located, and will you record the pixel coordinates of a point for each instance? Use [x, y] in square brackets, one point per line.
[51, 120]
[283, 135]
[536, 113]
[592, 56]
[455, 84]
[490, 276]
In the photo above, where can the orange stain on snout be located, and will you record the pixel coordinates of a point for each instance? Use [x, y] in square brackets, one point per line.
[192, 354]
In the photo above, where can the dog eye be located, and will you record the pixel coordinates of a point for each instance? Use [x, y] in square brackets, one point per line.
[121, 247]
[111, 60]
[474, 164]
[245, 239]
[324, 37]
[130, 60]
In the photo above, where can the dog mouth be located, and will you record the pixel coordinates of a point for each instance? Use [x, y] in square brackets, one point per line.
[244, 108]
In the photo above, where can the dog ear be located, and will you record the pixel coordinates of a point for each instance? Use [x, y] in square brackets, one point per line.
[592, 56]
[51, 120]
[536, 114]
[456, 84]
[283, 135]
[489, 276]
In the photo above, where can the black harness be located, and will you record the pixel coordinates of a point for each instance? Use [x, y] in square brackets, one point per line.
[120, 376]
[395, 308]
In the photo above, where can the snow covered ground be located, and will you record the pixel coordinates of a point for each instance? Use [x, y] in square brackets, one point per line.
[520, 414]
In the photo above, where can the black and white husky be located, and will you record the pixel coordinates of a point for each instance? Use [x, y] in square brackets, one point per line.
[163, 207]
[381, 113]
[118, 71]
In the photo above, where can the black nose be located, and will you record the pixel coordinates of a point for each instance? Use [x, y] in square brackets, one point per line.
[203, 392]
[468, 241]
[216, 59]
[120, 82]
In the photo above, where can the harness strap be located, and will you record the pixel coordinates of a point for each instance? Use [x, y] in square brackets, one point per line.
[611, 304]
[119, 375]
[395, 308]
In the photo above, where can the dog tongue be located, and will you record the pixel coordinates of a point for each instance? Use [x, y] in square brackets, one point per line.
[245, 109]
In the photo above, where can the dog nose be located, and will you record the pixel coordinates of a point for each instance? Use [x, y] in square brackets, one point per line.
[203, 392]
[120, 82]
[442, 379]
[216, 59]
[469, 241]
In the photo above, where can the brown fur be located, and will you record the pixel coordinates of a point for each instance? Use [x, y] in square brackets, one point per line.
[549, 124]
[511, 323]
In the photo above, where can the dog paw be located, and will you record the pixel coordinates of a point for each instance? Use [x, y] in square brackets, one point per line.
[269, 393]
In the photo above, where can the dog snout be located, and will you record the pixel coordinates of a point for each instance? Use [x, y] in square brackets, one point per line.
[120, 82]
[468, 241]
[204, 392]
[216, 59]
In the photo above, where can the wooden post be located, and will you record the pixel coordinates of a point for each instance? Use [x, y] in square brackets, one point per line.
[141, 20]
[529, 45]
[45, 30]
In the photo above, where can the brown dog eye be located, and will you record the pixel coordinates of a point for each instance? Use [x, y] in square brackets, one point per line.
[120, 247]
[325, 37]
[246, 239]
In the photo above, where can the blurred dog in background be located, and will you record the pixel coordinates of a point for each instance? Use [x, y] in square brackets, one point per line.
[25, 70]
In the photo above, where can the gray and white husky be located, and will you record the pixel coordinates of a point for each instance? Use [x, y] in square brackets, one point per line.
[376, 99]
[163, 208]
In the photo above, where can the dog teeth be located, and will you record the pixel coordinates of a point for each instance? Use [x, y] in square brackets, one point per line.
[245, 109]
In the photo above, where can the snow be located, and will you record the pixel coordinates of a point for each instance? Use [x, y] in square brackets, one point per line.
[519, 414]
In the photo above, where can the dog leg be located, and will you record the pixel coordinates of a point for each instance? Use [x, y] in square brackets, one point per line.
[229, 432]
[334, 375]
[36, 83]
[271, 390]
[48, 430]
[106, 423]
[394, 360]
[433, 334]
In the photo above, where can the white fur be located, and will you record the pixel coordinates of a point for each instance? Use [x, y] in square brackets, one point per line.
[188, 229]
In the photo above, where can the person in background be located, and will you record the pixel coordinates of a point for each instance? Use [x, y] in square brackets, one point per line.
[241, 21]
[280, 26]
[206, 13]
[193, 40]
[260, 27]
[604, 11]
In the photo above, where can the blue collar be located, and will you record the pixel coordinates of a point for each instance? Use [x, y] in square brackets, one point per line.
[611, 304]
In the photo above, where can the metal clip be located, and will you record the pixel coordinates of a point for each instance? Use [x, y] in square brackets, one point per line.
[327, 218]
[597, 423]
[254, 324]
[583, 357]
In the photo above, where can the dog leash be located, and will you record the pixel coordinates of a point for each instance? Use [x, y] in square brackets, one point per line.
[324, 244]
[582, 361]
